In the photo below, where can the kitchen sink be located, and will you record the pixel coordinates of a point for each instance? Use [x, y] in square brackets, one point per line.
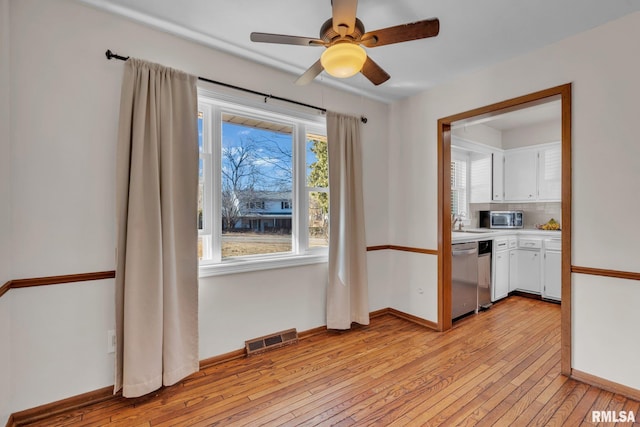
[470, 231]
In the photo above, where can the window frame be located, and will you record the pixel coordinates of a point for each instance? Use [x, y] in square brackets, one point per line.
[213, 105]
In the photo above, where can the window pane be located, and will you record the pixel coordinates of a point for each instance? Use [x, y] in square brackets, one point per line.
[317, 161]
[200, 138]
[204, 246]
[318, 219]
[257, 179]
[200, 195]
[318, 178]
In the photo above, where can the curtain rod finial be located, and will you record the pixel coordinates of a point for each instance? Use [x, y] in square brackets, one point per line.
[111, 55]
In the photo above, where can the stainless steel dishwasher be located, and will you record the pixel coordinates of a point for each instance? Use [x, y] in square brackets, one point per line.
[464, 278]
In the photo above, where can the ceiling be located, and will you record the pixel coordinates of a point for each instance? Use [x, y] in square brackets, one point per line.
[473, 34]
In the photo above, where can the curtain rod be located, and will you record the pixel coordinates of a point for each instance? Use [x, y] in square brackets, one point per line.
[267, 96]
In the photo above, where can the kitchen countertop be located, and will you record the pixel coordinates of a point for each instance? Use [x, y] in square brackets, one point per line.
[476, 234]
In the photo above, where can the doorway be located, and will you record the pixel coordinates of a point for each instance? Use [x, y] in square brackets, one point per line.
[561, 93]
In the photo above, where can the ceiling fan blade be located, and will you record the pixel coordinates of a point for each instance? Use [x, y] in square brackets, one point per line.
[402, 33]
[310, 74]
[344, 14]
[374, 72]
[283, 39]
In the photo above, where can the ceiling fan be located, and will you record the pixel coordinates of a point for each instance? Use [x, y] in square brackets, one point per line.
[343, 36]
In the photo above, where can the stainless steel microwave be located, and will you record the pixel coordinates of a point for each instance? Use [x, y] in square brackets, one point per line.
[501, 219]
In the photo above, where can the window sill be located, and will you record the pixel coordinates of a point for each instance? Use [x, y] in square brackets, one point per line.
[258, 264]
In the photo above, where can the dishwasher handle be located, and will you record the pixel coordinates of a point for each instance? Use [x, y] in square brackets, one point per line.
[464, 251]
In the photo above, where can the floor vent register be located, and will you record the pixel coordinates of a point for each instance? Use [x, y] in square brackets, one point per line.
[270, 342]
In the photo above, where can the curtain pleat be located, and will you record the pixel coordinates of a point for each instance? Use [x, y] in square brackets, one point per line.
[347, 289]
[157, 264]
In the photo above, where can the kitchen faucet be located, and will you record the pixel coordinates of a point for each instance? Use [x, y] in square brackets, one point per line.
[456, 219]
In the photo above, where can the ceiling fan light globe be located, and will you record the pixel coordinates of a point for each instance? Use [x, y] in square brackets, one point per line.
[343, 60]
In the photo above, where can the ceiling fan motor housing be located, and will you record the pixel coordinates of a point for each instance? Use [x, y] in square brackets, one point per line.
[328, 34]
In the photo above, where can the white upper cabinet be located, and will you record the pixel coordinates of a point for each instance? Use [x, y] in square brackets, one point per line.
[497, 184]
[528, 174]
[550, 173]
[520, 175]
[533, 174]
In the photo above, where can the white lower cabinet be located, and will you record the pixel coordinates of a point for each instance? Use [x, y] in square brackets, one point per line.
[527, 264]
[524, 265]
[552, 267]
[513, 270]
[500, 288]
[501, 277]
[528, 270]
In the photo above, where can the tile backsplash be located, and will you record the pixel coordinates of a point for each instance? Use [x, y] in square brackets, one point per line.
[534, 213]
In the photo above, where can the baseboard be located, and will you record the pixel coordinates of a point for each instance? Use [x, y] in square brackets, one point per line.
[311, 332]
[379, 313]
[526, 295]
[232, 355]
[626, 391]
[75, 402]
[35, 414]
[414, 319]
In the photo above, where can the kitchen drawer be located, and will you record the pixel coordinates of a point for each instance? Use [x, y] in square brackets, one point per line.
[513, 242]
[529, 243]
[553, 244]
[501, 244]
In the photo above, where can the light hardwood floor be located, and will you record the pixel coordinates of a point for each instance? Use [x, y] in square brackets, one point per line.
[500, 367]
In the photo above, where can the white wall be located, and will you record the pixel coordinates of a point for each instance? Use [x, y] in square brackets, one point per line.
[5, 358]
[64, 111]
[606, 90]
[481, 134]
[540, 133]
[59, 341]
[5, 212]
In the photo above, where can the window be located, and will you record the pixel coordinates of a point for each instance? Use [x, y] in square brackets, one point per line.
[459, 184]
[263, 186]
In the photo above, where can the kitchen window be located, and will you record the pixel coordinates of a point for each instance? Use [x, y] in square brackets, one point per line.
[263, 193]
[459, 183]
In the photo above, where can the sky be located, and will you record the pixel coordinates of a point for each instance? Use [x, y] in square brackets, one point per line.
[233, 134]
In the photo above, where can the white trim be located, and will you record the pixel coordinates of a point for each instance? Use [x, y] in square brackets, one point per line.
[258, 263]
[245, 105]
[467, 144]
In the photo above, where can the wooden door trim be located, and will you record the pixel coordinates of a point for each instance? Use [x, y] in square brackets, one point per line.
[562, 92]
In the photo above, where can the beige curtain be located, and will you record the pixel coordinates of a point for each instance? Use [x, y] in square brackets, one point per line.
[157, 264]
[347, 292]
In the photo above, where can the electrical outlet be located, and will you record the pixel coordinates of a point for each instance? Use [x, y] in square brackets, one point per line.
[111, 341]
